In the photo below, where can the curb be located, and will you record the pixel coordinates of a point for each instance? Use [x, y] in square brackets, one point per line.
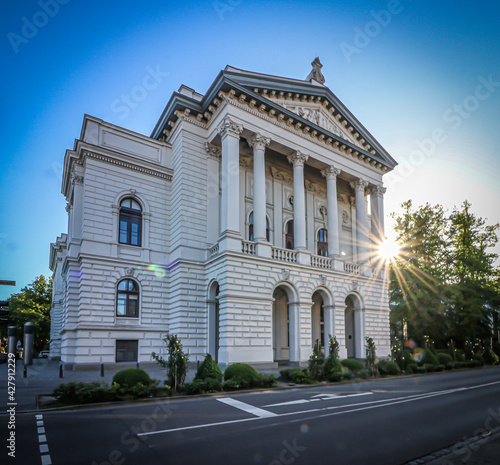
[230, 393]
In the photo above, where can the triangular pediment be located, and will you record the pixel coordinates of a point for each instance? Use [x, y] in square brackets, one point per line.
[317, 114]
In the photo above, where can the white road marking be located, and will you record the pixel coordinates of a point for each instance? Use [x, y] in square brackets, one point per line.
[42, 439]
[321, 397]
[369, 405]
[247, 407]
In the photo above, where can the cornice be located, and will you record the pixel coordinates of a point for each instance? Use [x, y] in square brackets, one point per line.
[125, 164]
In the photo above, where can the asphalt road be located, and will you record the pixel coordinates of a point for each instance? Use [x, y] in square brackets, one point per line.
[386, 422]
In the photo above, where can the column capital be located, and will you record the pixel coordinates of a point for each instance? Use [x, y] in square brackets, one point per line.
[298, 158]
[229, 128]
[76, 179]
[359, 185]
[212, 150]
[258, 141]
[331, 172]
[378, 191]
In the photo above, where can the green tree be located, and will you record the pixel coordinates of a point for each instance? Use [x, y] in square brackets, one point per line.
[33, 304]
[473, 286]
[444, 283]
[417, 275]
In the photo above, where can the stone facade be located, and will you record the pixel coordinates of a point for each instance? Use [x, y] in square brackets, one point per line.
[195, 220]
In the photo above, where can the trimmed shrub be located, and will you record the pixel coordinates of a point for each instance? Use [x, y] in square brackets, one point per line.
[422, 369]
[444, 358]
[489, 357]
[209, 369]
[352, 364]
[130, 377]
[243, 371]
[232, 384]
[86, 393]
[429, 358]
[267, 381]
[332, 365]
[201, 386]
[411, 367]
[364, 373]
[317, 362]
[403, 359]
[460, 354]
[294, 375]
[387, 367]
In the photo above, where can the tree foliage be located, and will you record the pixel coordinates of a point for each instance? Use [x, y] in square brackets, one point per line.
[444, 283]
[32, 304]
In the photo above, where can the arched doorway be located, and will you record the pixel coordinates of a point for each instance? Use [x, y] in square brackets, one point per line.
[318, 319]
[281, 325]
[354, 327]
[213, 321]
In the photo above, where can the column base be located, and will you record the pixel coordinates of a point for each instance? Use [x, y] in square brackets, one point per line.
[230, 241]
[263, 249]
[304, 257]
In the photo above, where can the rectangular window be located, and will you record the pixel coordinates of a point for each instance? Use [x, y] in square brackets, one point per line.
[135, 232]
[121, 307]
[126, 351]
[133, 305]
[123, 231]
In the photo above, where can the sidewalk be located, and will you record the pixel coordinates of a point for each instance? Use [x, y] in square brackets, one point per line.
[43, 377]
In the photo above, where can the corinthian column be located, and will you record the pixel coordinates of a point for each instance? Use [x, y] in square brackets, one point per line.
[377, 204]
[331, 174]
[359, 187]
[299, 200]
[230, 211]
[259, 143]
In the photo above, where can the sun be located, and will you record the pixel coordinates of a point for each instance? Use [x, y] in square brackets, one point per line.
[389, 249]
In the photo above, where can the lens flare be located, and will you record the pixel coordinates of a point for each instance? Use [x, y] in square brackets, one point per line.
[389, 249]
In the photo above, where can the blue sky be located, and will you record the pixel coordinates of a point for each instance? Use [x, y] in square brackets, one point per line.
[423, 77]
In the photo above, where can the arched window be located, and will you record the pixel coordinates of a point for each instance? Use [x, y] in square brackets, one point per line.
[250, 228]
[289, 244]
[323, 242]
[127, 300]
[130, 222]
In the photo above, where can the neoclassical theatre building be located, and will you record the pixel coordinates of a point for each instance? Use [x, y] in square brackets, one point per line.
[246, 224]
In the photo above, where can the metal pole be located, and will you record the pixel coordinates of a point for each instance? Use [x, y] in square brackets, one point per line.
[60, 371]
[29, 337]
[12, 340]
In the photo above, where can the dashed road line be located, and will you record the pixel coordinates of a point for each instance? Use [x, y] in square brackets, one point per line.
[42, 439]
